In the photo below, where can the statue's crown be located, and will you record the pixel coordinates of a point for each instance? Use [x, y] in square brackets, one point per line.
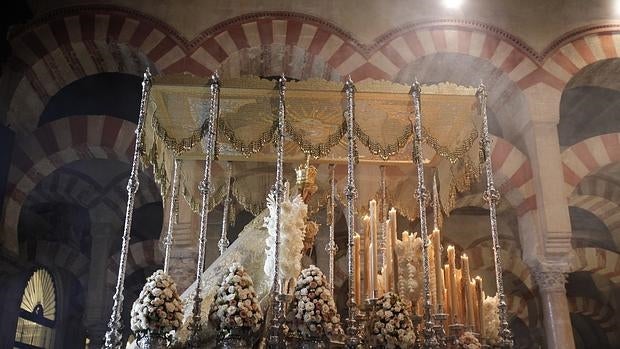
[306, 174]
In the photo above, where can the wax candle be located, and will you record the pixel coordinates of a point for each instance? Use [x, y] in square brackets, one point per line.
[471, 312]
[467, 296]
[388, 263]
[374, 270]
[394, 236]
[480, 296]
[448, 303]
[436, 238]
[454, 306]
[366, 253]
[357, 268]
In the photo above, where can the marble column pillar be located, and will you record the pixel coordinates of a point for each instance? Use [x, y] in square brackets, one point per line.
[97, 307]
[556, 315]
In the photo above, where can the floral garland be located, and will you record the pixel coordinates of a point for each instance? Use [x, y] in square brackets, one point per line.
[158, 311]
[468, 341]
[292, 235]
[313, 312]
[392, 326]
[236, 304]
[490, 311]
[409, 259]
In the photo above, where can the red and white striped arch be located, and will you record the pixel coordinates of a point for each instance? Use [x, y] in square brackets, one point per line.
[70, 44]
[81, 190]
[141, 255]
[602, 314]
[605, 210]
[588, 156]
[518, 307]
[54, 255]
[481, 258]
[54, 145]
[568, 55]
[81, 41]
[402, 46]
[513, 177]
[598, 261]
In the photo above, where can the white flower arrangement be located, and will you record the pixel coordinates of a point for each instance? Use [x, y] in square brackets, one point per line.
[409, 259]
[294, 213]
[313, 311]
[158, 311]
[490, 310]
[392, 326]
[468, 341]
[236, 304]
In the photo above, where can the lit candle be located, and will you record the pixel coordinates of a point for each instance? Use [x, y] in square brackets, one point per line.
[388, 266]
[471, 315]
[393, 238]
[480, 296]
[453, 288]
[467, 296]
[356, 268]
[460, 304]
[436, 238]
[448, 297]
[366, 252]
[374, 270]
[405, 236]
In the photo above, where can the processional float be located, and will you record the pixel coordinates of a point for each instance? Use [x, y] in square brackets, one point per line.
[184, 119]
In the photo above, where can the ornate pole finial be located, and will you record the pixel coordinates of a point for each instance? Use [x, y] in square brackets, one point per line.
[491, 195]
[113, 336]
[430, 339]
[205, 189]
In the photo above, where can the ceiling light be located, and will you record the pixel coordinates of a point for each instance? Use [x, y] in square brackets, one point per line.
[452, 4]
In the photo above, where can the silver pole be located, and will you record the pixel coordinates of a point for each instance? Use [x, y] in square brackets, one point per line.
[429, 340]
[352, 331]
[224, 243]
[276, 335]
[205, 190]
[331, 246]
[491, 195]
[113, 336]
[173, 214]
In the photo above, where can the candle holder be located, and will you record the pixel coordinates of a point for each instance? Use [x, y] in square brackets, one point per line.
[277, 339]
[456, 331]
[440, 333]
[371, 316]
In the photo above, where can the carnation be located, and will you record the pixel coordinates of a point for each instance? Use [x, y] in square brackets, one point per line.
[490, 311]
[409, 260]
[292, 232]
[313, 312]
[235, 304]
[158, 308]
[468, 341]
[392, 326]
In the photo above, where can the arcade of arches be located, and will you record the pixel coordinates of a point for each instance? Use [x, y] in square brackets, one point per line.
[69, 99]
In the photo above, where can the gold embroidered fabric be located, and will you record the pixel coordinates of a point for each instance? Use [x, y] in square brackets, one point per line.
[315, 125]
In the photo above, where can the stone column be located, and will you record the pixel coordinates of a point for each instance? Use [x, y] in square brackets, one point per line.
[556, 316]
[96, 312]
[545, 230]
